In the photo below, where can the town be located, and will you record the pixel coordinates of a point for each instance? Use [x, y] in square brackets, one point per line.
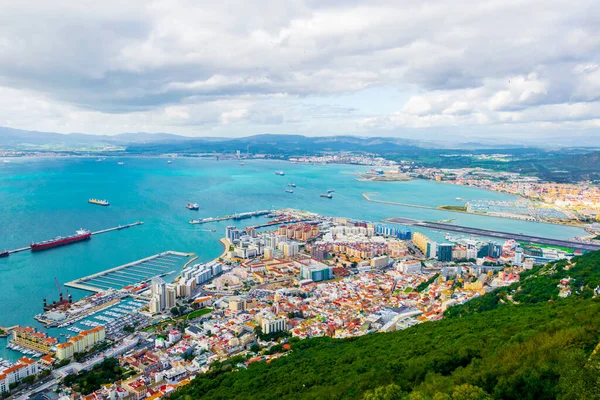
[322, 276]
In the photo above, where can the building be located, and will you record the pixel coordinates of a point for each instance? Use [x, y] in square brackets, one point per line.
[267, 253]
[420, 241]
[316, 271]
[319, 254]
[22, 369]
[80, 343]
[410, 267]
[33, 340]
[381, 261]
[404, 234]
[290, 249]
[237, 304]
[431, 249]
[272, 324]
[444, 252]
[158, 288]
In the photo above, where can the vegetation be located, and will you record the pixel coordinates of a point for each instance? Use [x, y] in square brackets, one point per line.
[520, 342]
[424, 285]
[107, 371]
[198, 313]
[454, 208]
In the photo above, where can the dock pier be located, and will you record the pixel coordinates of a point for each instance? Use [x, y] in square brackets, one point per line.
[239, 216]
[116, 228]
[133, 273]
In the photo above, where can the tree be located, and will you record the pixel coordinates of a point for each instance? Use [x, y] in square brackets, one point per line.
[128, 329]
[255, 348]
[469, 392]
[175, 311]
[389, 392]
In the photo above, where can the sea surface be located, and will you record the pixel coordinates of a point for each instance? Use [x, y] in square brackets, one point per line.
[41, 198]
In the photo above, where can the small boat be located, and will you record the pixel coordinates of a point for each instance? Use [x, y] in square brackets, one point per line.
[121, 163]
[289, 191]
[170, 162]
[194, 206]
[280, 173]
[4, 253]
[242, 164]
[330, 191]
[328, 195]
[292, 184]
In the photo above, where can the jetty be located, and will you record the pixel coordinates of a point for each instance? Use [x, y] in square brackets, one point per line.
[239, 216]
[134, 273]
[116, 228]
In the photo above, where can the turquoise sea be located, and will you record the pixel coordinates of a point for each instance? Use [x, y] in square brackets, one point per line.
[41, 198]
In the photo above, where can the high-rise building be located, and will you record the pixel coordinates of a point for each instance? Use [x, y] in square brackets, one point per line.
[158, 289]
[444, 252]
[290, 249]
[171, 298]
[319, 254]
[431, 249]
[268, 253]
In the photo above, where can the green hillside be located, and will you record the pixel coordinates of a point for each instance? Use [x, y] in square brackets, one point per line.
[521, 342]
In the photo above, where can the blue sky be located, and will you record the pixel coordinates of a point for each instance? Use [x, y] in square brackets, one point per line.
[491, 70]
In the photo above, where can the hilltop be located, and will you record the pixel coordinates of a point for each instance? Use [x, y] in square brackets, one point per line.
[519, 342]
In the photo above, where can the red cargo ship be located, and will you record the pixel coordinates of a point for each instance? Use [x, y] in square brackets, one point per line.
[80, 235]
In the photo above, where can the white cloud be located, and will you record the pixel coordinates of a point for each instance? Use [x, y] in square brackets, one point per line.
[236, 67]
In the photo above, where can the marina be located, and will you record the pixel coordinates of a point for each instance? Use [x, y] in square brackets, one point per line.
[134, 272]
[116, 228]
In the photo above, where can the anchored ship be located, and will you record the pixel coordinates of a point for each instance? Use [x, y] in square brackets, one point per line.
[81, 234]
[281, 173]
[328, 195]
[330, 191]
[99, 202]
[289, 191]
[194, 206]
[292, 184]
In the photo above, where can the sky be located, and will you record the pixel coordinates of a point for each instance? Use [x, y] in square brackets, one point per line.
[494, 69]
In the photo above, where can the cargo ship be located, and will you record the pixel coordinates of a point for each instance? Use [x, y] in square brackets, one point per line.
[194, 206]
[81, 234]
[99, 202]
[4, 253]
[281, 173]
[328, 195]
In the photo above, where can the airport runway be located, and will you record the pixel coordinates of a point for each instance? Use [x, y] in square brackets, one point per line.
[495, 234]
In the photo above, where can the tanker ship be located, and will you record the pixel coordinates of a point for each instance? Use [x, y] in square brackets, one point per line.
[81, 234]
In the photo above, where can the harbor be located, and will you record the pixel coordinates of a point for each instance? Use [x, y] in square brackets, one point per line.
[133, 273]
[116, 228]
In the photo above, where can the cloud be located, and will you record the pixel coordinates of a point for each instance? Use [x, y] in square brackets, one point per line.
[237, 67]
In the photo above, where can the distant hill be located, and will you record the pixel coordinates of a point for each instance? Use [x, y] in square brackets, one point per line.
[519, 342]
